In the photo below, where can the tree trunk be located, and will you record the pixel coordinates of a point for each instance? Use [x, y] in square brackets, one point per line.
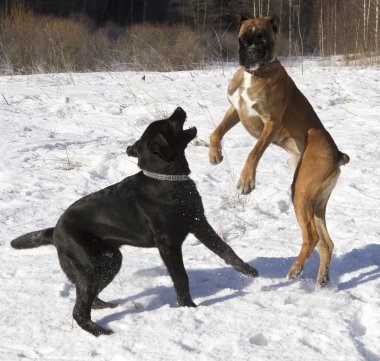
[335, 16]
[377, 27]
[299, 31]
[144, 11]
[290, 27]
[279, 28]
[321, 32]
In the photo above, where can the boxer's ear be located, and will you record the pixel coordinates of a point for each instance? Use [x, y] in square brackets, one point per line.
[242, 18]
[274, 21]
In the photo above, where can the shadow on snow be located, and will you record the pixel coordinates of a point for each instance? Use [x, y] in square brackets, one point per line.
[203, 283]
[351, 262]
[206, 282]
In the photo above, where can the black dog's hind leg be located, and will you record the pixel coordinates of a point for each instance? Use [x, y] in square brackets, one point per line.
[172, 257]
[86, 294]
[99, 304]
[206, 234]
[107, 267]
[90, 276]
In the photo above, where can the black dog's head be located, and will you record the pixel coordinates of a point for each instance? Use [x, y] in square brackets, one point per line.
[161, 148]
[257, 41]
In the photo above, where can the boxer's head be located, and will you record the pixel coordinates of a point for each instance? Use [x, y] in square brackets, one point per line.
[257, 41]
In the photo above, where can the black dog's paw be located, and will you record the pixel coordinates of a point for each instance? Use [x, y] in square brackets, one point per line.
[247, 270]
[103, 331]
[99, 304]
[188, 302]
[92, 327]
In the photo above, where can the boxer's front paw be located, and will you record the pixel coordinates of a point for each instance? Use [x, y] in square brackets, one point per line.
[294, 271]
[215, 154]
[247, 180]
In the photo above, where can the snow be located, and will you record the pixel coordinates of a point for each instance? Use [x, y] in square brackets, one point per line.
[65, 135]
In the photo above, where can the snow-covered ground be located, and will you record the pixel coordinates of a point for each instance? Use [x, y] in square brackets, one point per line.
[65, 135]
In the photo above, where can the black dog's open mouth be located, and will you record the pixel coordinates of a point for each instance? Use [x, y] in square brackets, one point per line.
[189, 134]
[192, 132]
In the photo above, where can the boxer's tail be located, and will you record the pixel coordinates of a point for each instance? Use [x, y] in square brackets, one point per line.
[343, 158]
[34, 239]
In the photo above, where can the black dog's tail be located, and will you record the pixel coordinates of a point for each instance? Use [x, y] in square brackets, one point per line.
[34, 239]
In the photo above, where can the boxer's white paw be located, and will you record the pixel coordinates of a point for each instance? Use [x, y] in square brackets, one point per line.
[247, 181]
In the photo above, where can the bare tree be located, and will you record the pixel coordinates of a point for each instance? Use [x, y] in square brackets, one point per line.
[321, 35]
[377, 26]
[365, 24]
[280, 28]
[298, 12]
[290, 27]
[335, 19]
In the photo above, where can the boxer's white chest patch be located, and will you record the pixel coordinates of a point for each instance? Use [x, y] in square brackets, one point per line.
[241, 94]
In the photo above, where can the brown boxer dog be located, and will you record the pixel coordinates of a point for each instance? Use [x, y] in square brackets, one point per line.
[272, 109]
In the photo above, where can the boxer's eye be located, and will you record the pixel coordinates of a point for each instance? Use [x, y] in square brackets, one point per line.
[260, 37]
[246, 40]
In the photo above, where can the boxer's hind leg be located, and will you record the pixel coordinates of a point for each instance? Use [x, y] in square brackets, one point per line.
[325, 248]
[304, 196]
[314, 180]
[304, 209]
[325, 244]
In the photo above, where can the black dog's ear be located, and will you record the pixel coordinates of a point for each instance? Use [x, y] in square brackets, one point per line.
[274, 21]
[160, 146]
[242, 18]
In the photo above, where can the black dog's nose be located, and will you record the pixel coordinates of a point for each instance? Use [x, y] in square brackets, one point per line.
[179, 113]
[131, 151]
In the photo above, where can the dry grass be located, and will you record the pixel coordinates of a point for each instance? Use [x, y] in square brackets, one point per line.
[31, 43]
[34, 43]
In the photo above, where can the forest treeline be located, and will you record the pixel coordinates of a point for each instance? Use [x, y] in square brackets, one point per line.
[81, 35]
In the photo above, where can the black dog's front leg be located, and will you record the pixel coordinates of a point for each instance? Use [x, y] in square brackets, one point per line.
[206, 234]
[172, 257]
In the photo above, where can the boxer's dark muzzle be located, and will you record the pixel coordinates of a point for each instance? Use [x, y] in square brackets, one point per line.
[256, 47]
[257, 41]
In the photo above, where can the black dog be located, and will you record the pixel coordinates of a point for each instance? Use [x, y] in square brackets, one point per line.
[157, 207]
